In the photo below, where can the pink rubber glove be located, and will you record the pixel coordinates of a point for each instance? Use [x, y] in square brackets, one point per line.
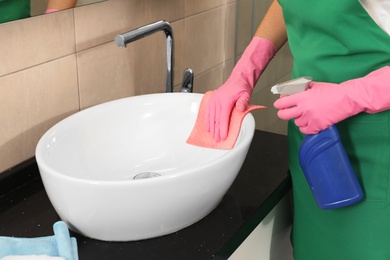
[325, 104]
[49, 11]
[237, 90]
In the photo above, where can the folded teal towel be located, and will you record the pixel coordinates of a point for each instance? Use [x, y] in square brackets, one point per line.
[61, 244]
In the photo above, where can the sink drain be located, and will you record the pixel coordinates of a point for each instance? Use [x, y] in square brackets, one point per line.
[146, 175]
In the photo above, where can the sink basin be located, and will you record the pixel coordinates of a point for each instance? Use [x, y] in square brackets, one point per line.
[122, 170]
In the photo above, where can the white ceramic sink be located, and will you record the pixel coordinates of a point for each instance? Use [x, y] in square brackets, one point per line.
[94, 163]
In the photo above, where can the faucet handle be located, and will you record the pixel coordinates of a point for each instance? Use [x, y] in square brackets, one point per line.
[188, 81]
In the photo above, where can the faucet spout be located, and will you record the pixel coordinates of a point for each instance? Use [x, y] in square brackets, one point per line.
[123, 39]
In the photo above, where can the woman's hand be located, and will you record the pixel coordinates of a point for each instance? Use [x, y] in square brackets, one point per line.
[325, 104]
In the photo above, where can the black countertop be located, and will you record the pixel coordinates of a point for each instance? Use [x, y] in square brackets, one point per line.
[25, 210]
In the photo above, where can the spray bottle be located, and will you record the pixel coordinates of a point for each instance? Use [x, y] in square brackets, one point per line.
[324, 161]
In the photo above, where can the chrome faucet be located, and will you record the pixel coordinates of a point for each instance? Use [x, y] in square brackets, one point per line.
[187, 83]
[123, 39]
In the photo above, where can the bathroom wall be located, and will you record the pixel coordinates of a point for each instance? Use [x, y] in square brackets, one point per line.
[54, 65]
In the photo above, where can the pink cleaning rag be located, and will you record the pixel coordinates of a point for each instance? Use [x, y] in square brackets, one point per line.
[201, 137]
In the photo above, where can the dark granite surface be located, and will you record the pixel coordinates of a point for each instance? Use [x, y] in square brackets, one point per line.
[25, 210]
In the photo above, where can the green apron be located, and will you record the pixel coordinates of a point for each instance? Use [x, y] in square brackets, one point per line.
[14, 9]
[334, 41]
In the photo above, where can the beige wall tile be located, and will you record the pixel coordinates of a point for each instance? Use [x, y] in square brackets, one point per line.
[99, 23]
[209, 80]
[204, 40]
[194, 7]
[213, 78]
[38, 7]
[230, 31]
[278, 70]
[244, 32]
[180, 62]
[108, 72]
[105, 73]
[249, 13]
[32, 101]
[266, 117]
[228, 68]
[278, 127]
[22, 45]
[260, 7]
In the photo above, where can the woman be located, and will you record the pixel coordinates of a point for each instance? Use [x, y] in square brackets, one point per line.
[347, 54]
